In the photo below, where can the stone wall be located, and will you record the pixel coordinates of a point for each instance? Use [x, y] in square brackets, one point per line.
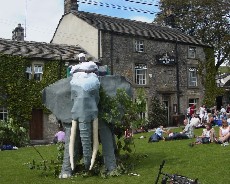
[162, 80]
[50, 127]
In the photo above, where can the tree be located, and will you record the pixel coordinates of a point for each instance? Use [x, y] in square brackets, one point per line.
[208, 20]
[157, 114]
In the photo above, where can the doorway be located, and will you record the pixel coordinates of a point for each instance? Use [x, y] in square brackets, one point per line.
[36, 125]
[165, 101]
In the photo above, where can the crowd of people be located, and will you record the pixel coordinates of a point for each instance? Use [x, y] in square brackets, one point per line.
[200, 118]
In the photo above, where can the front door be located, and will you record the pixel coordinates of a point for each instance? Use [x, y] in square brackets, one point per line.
[36, 125]
[166, 105]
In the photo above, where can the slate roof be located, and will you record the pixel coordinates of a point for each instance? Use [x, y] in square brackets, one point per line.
[42, 50]
[136, 28]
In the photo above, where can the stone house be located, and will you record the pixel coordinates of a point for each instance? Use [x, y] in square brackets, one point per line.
[42, 125]
[161, 60]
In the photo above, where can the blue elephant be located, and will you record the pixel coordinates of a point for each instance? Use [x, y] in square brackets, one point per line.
[78, 111]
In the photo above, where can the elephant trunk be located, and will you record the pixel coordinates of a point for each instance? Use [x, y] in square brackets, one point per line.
[89, 156]
[85, 134]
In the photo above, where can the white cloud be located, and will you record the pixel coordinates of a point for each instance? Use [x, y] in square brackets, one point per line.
[142, 19]
[41, 18]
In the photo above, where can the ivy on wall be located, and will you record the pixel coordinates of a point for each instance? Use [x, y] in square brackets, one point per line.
[207, 71]
[19, 94]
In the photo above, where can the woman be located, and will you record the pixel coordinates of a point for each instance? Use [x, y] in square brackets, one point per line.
[207, 136]
[224, 132]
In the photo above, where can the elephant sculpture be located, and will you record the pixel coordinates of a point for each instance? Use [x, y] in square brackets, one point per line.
[60, 100]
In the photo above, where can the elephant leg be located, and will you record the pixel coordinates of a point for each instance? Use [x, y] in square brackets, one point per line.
[66, 171]
[108, 146]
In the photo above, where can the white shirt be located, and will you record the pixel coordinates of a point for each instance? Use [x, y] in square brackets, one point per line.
[195, 121]
[85, 80]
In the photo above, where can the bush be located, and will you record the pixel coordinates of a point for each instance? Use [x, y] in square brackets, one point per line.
[13, 134]
[157, 114]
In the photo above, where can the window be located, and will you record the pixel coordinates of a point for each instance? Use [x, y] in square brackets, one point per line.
[192, 52]
[29, 72]
[192, 77]
[34, 72]
[192, 101]
[141, 74]
[38, 72]
[3, 113]
[139, 45]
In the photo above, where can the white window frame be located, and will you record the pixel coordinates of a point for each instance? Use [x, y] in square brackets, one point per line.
[4, 113]
[38, 71]
[29, 72]
[192, 77]
[191, 52]
[141, 74]
[139, 45]
[193, 101]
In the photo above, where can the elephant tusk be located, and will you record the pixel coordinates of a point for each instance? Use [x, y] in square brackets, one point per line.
[95, 142]
[72, 143]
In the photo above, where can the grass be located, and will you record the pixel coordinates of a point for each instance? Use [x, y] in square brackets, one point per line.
[208, 163]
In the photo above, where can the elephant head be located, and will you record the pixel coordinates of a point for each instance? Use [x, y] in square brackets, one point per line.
[85, 95]
[77, 108]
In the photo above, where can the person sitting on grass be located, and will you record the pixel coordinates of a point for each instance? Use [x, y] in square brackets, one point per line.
[187, 133]
[224, 132]
[159, 131]
[207, 136]
[170, 133]
[195, 121]
[158, 135]
[59, 136]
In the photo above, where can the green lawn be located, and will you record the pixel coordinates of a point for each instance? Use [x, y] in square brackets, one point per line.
[208, 163]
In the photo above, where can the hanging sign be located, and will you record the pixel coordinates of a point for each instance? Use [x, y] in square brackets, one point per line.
[165, 59]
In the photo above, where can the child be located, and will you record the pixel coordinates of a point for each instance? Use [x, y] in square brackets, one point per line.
[159, 132]
[170, 133]
[59, 136]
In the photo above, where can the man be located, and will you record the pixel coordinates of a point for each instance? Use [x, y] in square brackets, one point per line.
[187, 133]
[195, 121]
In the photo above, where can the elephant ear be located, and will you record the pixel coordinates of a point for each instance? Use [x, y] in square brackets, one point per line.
[111, 83]
[57, 98]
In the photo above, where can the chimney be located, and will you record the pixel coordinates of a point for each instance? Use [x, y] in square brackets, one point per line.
[70, 5]
[18, 33]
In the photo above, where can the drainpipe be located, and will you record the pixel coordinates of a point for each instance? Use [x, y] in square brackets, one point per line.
[177, 79]
[111, 52]
[60, 68]
[99, 44]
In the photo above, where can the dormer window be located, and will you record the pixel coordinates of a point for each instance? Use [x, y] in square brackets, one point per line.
[139, 45]
[191, 52]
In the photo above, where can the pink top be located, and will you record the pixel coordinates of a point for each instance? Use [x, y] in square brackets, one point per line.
[60, 136]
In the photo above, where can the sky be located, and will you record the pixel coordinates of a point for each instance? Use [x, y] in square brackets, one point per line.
[41, 17]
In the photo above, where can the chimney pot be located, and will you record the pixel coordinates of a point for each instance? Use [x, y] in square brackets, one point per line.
[70, 5]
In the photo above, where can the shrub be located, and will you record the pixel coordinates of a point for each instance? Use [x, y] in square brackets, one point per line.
[157, 114]
[12, 133]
